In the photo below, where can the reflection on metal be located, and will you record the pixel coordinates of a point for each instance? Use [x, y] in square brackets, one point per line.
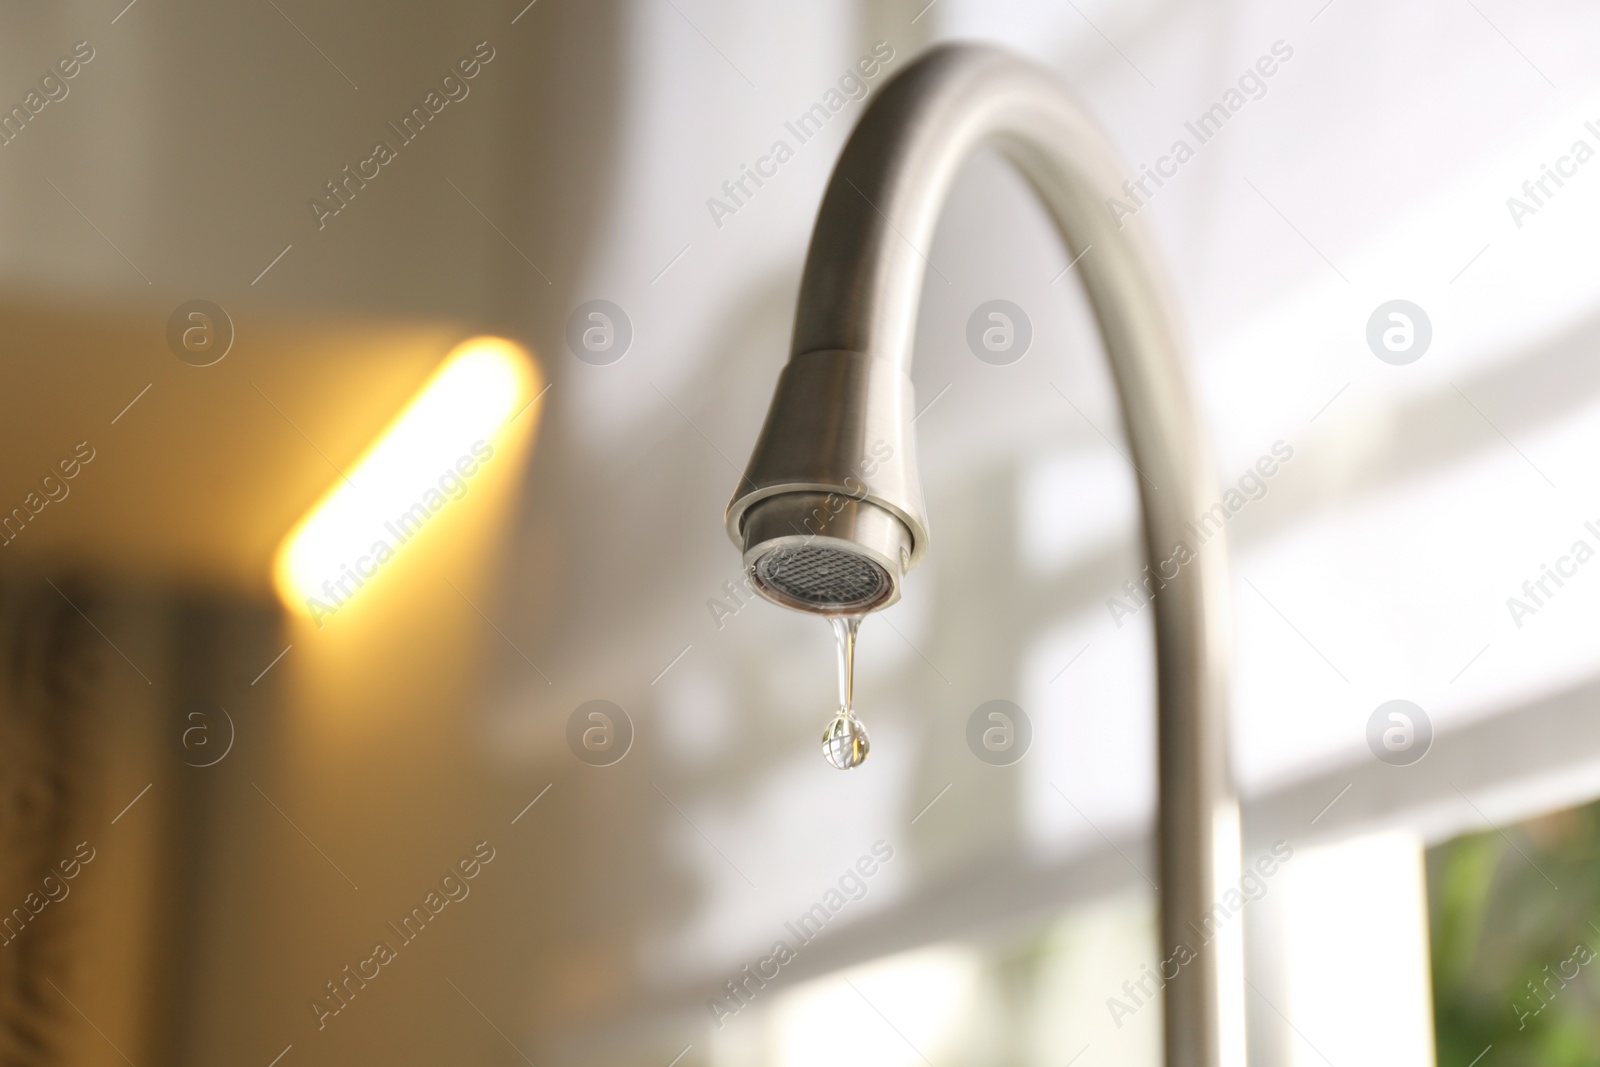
[835, 466]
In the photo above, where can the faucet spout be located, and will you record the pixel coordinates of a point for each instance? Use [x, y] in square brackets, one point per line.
[830, 515]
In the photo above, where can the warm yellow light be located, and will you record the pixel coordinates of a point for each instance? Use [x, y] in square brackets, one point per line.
[419, 466]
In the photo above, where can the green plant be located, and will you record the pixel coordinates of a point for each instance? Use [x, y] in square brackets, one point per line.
[1515, 924]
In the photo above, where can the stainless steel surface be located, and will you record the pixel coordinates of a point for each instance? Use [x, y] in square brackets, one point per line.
[844, 398]
[840, 422]
[792, 533]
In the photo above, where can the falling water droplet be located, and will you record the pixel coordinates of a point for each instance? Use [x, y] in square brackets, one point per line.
[844, 742]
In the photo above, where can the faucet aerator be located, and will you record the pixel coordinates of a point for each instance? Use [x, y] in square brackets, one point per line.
[825, 553]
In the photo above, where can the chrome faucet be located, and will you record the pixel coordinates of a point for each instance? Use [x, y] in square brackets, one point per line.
[830, 516]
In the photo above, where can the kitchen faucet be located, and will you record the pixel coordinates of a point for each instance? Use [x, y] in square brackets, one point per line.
[830, 515]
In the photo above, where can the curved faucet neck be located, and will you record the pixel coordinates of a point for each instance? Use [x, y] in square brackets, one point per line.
[846, 387]
[868, 256]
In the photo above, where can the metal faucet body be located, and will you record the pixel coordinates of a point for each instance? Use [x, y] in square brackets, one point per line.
[830, 514]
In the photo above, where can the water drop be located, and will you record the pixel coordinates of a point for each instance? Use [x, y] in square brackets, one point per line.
[844, 742]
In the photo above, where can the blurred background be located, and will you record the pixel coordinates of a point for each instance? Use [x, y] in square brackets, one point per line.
[271, 795]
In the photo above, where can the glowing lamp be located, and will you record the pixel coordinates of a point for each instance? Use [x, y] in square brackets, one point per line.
[425, 461]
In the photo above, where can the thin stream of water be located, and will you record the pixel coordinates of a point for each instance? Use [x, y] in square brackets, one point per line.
[844, 742]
